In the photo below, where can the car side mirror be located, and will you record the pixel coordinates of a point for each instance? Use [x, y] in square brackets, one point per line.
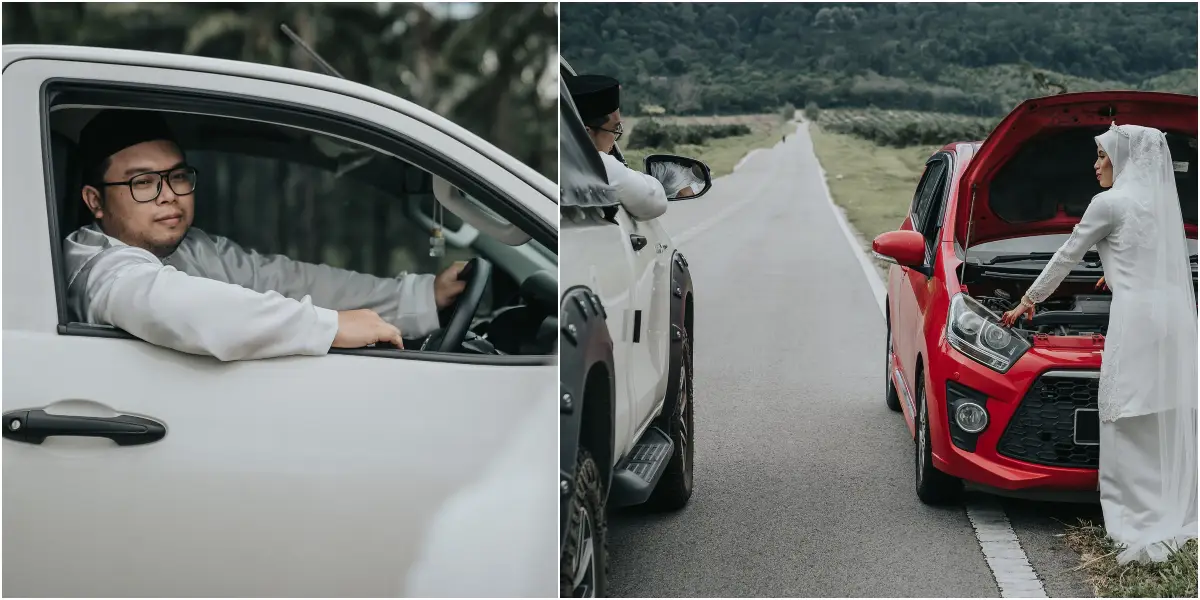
[683, 178]
[904, 248]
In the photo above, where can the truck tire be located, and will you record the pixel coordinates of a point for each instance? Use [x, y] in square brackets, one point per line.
[584, 569]
[675, 488]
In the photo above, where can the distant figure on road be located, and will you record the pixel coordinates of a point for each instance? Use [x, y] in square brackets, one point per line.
[1148, 369]
[598, 99]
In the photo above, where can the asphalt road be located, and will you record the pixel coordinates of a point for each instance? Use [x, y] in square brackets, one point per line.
[804, 479]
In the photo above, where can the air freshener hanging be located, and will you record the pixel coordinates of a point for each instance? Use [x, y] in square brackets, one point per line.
[437, 242]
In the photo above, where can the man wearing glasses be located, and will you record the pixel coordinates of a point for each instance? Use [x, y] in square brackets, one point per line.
[598, 99]
[142, 268]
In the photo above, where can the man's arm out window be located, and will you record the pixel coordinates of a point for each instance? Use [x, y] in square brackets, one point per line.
[132, 290]
[406, 302]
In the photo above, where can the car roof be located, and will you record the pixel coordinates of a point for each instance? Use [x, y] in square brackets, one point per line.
[220, 66]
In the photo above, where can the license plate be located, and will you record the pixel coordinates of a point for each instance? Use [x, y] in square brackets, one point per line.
[1087, 427]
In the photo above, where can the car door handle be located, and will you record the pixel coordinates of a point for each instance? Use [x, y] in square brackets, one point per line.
[34, 426]
[638, 241]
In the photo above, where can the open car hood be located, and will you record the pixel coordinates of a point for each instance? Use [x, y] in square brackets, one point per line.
[1033, 175]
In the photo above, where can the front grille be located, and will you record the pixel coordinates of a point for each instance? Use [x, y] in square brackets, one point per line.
[1042, 431]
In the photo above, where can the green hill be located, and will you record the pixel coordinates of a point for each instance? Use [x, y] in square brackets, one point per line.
[971, 59]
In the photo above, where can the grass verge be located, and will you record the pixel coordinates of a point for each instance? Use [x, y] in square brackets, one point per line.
[1173, 578]
[873, 184]
[721, 155]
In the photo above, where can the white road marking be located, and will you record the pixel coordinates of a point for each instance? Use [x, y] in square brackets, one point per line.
[745, 158]
[1007, 561]
[1005, 557]
[877, 286]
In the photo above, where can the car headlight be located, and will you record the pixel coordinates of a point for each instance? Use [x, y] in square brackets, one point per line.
[976, 332]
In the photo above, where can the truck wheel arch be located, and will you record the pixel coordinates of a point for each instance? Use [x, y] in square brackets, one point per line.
[682, 320]
[587, 384]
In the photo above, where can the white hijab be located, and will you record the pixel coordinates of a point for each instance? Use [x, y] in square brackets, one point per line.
[1143, 175]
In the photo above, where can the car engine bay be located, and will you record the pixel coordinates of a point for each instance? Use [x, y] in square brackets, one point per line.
[1075, 314]
[1076, 308]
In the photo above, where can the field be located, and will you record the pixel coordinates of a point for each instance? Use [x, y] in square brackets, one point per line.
[874, 180]
[721, 155]
[1013, 84]
[874, 184]
[904, 128]
[1182, 81]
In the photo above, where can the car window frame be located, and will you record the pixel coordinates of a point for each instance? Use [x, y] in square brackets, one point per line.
[608, 214]
[225, 104]
[934, 204]
[919, 209]
[366, 190]
[931, 229]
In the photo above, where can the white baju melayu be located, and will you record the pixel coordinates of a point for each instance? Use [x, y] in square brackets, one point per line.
[675, 177]
[1148, 381]
[211, 297]
[640, 194]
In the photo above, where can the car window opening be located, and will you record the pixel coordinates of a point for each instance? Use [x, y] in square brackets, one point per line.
[313, 197]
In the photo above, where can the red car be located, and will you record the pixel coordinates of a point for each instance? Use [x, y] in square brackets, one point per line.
[1013, 410]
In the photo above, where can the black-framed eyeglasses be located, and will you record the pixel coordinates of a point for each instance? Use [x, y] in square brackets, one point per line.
[146, 187]
[617, 133]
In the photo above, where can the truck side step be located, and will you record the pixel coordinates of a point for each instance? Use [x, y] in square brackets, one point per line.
[635, 478]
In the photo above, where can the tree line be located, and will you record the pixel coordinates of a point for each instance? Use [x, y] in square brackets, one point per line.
[972, 59]
[484, 69]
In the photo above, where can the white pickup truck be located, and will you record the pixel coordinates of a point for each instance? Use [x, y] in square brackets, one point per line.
[625, 357]
[135, 470]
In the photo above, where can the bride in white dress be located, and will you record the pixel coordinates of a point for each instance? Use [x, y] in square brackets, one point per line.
[1148, 374]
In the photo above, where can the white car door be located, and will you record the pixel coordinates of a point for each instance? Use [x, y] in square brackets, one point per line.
[650, 305]
[603, 243]
[300, 476]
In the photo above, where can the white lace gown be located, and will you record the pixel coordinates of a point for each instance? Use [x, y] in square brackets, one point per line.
[1148, 379]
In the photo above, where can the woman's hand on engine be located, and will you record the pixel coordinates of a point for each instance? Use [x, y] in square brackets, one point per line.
[1010, 318]
[1100, 285]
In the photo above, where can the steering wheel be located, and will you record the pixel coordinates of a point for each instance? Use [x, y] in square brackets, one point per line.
[476, 273]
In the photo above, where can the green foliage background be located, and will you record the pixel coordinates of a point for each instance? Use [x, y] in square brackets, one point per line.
[490, 68]
[970, 59]
[655, 134]
[482, 66]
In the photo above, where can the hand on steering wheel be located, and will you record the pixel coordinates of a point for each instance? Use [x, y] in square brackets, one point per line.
[448, 285]
[476, 274]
